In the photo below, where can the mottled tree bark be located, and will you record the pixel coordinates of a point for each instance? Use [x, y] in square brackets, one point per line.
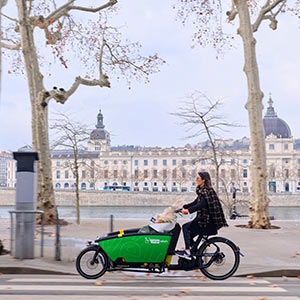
[259, 202]
[40, 138]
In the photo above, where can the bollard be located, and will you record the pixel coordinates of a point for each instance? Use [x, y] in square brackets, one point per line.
[111, 223]
[57, 239]
[25, 201]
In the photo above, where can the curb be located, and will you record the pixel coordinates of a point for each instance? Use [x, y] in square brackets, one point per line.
[27, 270]
[273, 273]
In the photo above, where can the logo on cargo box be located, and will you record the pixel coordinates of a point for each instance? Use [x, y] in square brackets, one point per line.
[154, 241]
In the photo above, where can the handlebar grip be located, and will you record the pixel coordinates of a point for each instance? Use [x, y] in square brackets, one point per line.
[178, 210]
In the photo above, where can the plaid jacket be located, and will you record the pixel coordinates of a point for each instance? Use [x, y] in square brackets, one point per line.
[214, 211]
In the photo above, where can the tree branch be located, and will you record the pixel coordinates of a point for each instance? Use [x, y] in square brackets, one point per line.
[10, 18]
[64, 9]
[231, 14]
[267, 8]
[11, 47]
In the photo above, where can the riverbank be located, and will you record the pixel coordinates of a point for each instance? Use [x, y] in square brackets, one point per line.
[114, 198]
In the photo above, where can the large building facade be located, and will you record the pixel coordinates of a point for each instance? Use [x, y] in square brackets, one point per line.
[155, 169]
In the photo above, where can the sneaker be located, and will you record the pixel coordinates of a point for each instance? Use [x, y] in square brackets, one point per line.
[184, 254]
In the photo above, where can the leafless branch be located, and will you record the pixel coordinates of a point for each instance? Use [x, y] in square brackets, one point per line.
[231, 14]
[11, 47]
[10, 18]
[263, 14]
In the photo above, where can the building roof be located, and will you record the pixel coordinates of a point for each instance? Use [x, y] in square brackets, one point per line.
[275, 125]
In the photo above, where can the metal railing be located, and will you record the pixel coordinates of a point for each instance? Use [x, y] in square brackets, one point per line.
[22, 225]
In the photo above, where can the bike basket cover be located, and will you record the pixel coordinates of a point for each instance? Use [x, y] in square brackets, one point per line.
[162, 227]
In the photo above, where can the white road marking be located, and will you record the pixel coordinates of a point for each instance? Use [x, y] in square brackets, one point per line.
[215, 289]
[178, 280]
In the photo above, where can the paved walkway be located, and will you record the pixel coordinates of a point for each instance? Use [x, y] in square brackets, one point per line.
[273, 252]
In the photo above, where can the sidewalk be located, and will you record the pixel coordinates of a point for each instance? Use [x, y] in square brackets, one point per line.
[273, 252]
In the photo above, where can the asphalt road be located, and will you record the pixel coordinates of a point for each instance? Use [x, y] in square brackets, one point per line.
[139, 286]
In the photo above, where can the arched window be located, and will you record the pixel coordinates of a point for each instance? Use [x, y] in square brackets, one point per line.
[92, 185]
[66, 186]
[57, 186]
[83, 186]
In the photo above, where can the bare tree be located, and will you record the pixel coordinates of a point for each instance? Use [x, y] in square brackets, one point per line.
[98, 45]
[207, 17]
[199, 114]
[71, 135]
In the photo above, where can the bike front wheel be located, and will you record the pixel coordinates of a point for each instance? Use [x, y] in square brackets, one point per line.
[91, 263]
[218, 258]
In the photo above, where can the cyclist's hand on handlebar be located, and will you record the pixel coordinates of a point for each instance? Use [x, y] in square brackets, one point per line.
[184, 211]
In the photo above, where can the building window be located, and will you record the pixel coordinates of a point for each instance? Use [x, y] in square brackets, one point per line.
[203, 162]
[245, 173]
[174, 173]
[271, 146]
[105, 173]
[83, 163]
[154, 173]
[136, 173]
[145, 173]
[232, 174]
[174, 183]
[222, 161]
[298, 160]
[154, 183]
[92, 174]
[145, 183]
[193, 161]
[124, 173]
[83, 186]
[83, 174]
[66, 163]
[145, 162]
[272, 172]
[74, 175]
[58, 163]
[66, 186]
[136, 183]
[124, 162]
[245, 161]
[174, 189]
[174, 162]
[286, 146]
[286, 160]
[92, 163]
[223, 173]
[232, 162]
[92, 185]
[115, 162]
[299, 173]
[194, 173]
[57, 186]
[115, 173]
[154, 162]
[164, 174]
[183, 173]
[106, 162]
[66, 174]
[286, 173]
[57, 174]
[183, 162]
[136, 162]
[164, 162]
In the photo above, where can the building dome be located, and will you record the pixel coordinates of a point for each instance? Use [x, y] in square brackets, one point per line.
[99, 133]
[274, 125]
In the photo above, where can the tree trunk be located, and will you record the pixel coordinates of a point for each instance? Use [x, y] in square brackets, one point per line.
[77, 186]
[40, 138]
[259, 202]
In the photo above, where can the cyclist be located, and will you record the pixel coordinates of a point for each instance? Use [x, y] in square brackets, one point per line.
[210, 216]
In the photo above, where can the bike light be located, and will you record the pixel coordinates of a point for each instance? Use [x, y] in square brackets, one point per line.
[88, 242]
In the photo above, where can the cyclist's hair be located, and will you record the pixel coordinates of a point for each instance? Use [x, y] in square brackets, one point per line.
[206, 177]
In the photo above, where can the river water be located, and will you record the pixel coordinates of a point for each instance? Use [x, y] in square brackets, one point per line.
[91, 212]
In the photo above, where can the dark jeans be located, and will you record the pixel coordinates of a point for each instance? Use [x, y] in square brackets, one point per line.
[192, 229]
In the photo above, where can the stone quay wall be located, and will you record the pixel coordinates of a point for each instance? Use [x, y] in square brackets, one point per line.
[112, 198]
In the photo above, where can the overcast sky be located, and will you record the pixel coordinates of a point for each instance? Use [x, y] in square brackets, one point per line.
[141, 115]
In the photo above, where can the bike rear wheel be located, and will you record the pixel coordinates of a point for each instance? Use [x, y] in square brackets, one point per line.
[219, 258]
[91, 263]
